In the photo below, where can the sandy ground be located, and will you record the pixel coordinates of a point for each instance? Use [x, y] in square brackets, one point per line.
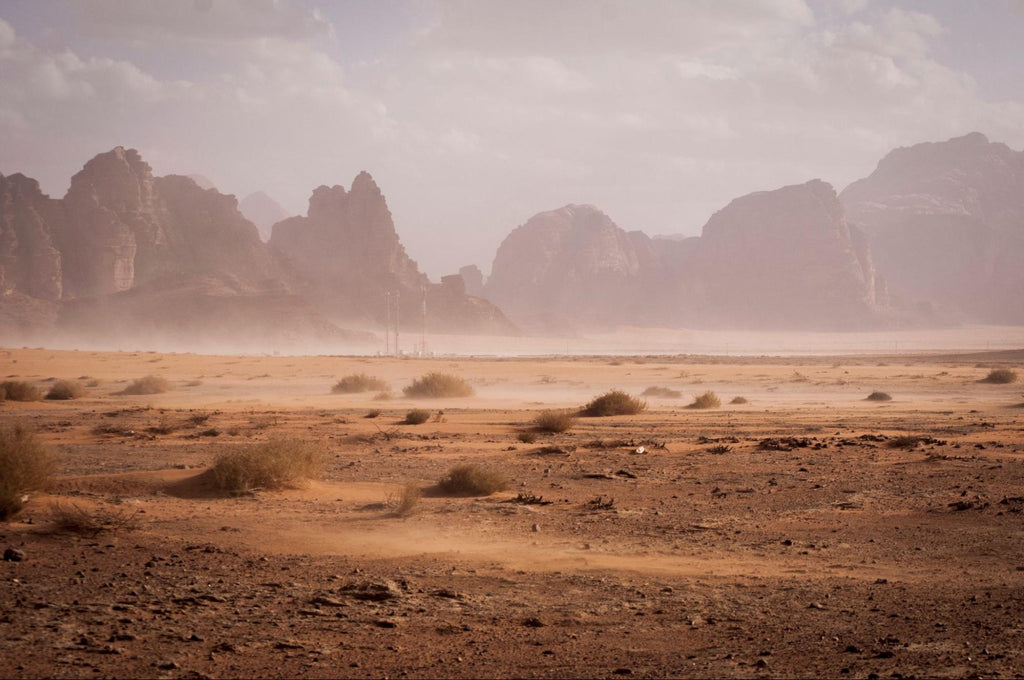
[786, 537]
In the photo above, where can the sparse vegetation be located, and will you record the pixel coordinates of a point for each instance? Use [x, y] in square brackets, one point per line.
[707, 400]
[472, 480]
[373, 413]
[614, 403]
[879, 396]
[359, 382]
[903, 442]
[65, 389]
[720, 449]
[438, 386]
[274, 464]
[663, 392]
[1000, 376]
[417, 416]
[72, 518]
[150, 384]
[526, 437]
[383, 396]
[19, 390]
[738, 400]
[404, 503]
[25, 465]
[554, 421]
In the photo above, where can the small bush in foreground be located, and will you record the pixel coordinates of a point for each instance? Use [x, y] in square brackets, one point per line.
[707, 400]
[66, 389]
[372, 413]
[359, 382]
[25, 465]
[471, 480]
[271, 465]
[437, 386]
[18, 390]
[417, 416]
[404, 503]
[554, 421]
[664, 392]
[738, 400]
[1000, 376]
[526, 437]
[150, 384]
[72, 518]
[614, 403]
[878, 396]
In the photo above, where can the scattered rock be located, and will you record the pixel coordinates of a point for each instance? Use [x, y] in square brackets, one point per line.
[14, 555]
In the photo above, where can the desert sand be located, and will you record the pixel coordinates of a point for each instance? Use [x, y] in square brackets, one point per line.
[806, 533]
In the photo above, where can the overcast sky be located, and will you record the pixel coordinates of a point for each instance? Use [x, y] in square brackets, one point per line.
[473, 115]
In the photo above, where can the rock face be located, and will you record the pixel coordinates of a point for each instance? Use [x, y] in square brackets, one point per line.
[29, 261]
[945, 222]
[347, 242]
[263, 211]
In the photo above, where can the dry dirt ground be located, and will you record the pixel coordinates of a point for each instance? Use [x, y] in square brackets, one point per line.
[795, 535]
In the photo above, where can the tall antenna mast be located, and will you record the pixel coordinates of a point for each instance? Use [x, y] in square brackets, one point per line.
[387, 322]
[397, 308]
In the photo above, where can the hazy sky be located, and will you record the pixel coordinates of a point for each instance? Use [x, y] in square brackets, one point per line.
[474, 115]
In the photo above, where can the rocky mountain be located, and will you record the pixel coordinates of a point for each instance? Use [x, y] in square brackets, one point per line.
[263, 211]
[945, 222]
[347, 242]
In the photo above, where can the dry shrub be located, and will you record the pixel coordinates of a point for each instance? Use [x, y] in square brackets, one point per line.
[417, 416]
[664, 392]
[65, 389]
[878, 396]
[150, 384]
[614, 403]
[472, 480]
[526, 437]
[373, 413]
[19, 390]
[707, 400]
[359, 382]
[1000, 376]
[554, 421]
[738, 400]
[404, 503]
[25, 465]
[903, 442]
[270, 465]
[383, 396]
[438, 385]
[72, 518]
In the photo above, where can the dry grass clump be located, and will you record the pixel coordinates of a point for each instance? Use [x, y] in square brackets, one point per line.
[526, 437]
[65, 389]
[271, 465]
[417, 416]
[707, 400]
[614, 403]
[150, 384]
[738, 400]
[25, 465]
[404, 503]
[554, 421]
[903, 442]
[72, 518]
[664, 392]
[1000, 376]
[19, 390]
[359, 382]
[437, 386]
[878, 396]
[472, 480]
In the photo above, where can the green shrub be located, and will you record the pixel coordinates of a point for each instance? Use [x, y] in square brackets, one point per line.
[664, 392]
[707, 400]
[614, 403]
[878, 396]
[25, 465]
[472, 480]
[270, 465]
[19, 390]
[150, 384]
[438, 385]
[65, 389]
[1000, 376]
[417, 416]
[554, 421]
[359, 382]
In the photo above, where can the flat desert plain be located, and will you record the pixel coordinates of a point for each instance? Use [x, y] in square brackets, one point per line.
[806, 532]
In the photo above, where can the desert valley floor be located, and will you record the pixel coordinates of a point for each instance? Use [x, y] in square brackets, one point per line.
[806, 533]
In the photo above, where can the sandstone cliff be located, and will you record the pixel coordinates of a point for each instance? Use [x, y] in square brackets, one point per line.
[263, 211]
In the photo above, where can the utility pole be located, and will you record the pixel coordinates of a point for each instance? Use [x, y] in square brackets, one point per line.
[397, 308]
[423, 332]
[387, 323]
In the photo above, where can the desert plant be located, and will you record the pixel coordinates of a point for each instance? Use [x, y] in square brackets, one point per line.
[74, 519]
[438, 385]
[359, 382]
[273, 464]
[19, 390]
[1000, 376]
[150, 384]
[25, 465]
[738, 400]
[65, 389]
[526, 437]
[554, 421]
[707, 400]
[417, 416]
[903, 442]
[664, 392]
[472, 480]
[878, 396]
[720, 449]
[614, 403]
[373, 413]
[404, 503]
